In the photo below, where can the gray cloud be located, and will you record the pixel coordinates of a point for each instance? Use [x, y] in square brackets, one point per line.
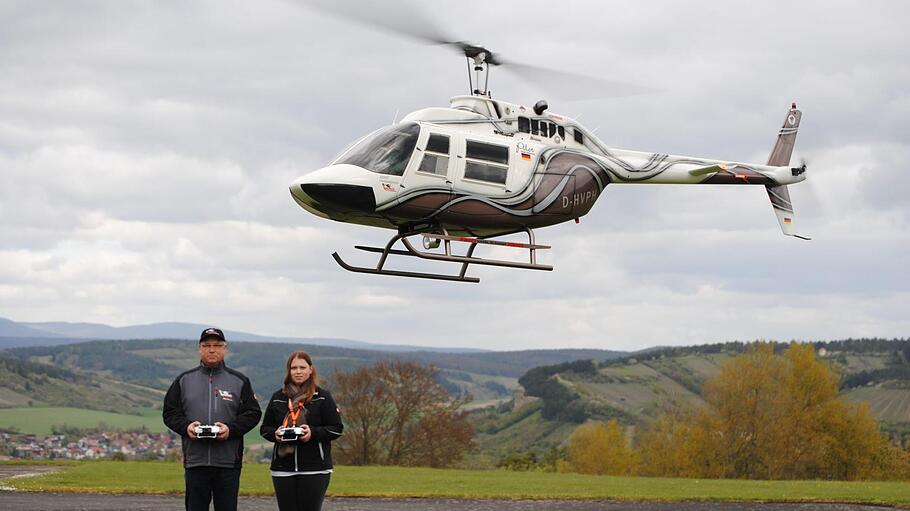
[146, 148]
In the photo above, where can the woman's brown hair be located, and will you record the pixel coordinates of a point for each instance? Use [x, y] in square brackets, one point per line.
[308, 388]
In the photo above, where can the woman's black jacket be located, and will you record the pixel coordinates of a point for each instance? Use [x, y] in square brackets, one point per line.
[324, 419]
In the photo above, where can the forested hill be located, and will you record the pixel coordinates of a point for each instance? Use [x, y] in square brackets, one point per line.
[634, 388]
[631, 388]
[154, 363]
[26, 383]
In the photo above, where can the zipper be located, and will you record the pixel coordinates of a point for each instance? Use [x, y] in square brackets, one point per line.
[295, 458]
[210, 398]
[210, 414]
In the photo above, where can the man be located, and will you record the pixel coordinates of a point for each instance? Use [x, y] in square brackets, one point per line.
[211, 394]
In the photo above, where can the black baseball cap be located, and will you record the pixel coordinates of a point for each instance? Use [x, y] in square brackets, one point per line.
[212, 332]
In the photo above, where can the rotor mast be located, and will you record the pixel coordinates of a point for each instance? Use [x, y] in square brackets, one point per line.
[479, 60]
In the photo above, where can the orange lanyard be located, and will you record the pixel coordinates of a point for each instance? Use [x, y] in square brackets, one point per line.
[292, 414]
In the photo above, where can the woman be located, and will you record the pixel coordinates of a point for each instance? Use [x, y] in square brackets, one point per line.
[302, 458]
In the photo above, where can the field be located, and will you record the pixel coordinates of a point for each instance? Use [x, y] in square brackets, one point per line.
[39, 420]
[889, 404]
[162, 477]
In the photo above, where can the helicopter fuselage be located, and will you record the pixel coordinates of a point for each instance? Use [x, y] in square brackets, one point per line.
[487, 168]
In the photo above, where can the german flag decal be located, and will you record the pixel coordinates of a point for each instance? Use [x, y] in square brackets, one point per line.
[525, 156]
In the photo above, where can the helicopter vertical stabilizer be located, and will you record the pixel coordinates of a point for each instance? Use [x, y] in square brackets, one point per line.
[780, 157]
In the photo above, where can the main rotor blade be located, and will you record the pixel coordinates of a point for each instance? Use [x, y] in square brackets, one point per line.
[402, 18]
[407, 19]
[573, 85]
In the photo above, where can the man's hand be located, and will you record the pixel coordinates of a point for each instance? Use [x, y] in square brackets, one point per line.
[190, 428]
[225, 431]
[307, 433]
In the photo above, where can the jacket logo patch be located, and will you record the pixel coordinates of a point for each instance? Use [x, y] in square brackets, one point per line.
[224, 395]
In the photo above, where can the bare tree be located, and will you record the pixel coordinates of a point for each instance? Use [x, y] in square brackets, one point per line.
[367, 416]
[396, 413]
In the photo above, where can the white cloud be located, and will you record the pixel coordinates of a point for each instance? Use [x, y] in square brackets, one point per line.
[146, 149]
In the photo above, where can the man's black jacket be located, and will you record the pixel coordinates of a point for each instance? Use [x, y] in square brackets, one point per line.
[210, 395]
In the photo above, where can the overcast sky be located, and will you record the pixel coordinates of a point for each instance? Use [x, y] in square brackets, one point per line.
[146, 149]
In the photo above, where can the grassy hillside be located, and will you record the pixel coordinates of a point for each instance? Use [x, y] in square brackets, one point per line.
[634, 389]
[41, 420]
[129, 376]
[27, 383]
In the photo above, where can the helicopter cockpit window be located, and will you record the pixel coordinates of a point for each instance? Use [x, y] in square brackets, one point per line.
[524, 125]
[385, 152]
[436, 157]
[535, 126]
[579, 137]
[486, 162]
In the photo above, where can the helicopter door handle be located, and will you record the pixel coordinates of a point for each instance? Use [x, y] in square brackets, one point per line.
[448, 182]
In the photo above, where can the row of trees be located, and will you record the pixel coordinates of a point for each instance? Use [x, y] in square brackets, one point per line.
[396, 413]
[767, 416]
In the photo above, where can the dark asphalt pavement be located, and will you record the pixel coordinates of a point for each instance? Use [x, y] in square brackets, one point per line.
[19, 501]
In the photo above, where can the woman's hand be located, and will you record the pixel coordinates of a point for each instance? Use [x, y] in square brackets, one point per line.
[307, 433]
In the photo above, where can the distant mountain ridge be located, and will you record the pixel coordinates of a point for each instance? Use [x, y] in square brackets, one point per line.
[10, 328]
[15, 334]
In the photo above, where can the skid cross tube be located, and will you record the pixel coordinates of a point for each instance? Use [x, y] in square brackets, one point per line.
[464, 260]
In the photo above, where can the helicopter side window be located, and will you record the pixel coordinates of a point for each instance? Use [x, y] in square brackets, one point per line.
[524, 125]
[486, 162]
[436, 156]
[385, 152]
[579, 137]
[535, 126]
[562, 132]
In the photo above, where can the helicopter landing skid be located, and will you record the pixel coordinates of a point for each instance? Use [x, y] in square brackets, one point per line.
[432, 240]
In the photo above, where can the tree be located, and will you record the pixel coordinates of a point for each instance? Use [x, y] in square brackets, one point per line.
[367, 416]
[441, 436]
[598, 448]
[771, 416]
[664, 447]
[396, 413]
[412, 393]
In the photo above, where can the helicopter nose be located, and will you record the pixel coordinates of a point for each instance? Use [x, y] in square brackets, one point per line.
[341, 197]
[334, 189]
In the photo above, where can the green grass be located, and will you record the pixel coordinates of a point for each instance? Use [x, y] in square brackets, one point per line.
[39, 420]
[162, 477]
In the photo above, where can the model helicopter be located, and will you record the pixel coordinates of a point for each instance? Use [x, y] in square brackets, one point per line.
[485, 168]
